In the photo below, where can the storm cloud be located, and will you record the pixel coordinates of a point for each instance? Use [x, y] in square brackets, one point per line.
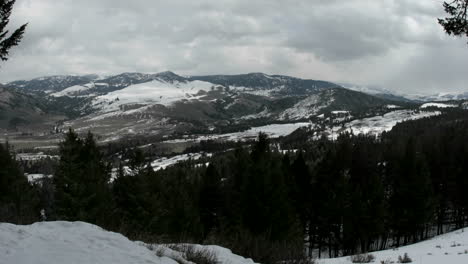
[396, 44]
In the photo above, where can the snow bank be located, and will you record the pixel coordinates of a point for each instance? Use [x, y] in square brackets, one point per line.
[79, 242]
[451, 248]
[70, 242]
[223, 255]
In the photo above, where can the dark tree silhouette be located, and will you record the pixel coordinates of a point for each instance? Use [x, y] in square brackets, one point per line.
[8, 41]
[456, 24]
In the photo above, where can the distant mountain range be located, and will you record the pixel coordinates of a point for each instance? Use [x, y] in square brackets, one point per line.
[385, 93]
[166, 103]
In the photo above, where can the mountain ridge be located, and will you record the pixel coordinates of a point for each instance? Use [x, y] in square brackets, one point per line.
[166, 104]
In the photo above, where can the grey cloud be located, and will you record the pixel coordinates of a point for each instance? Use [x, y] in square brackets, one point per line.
[385, 42]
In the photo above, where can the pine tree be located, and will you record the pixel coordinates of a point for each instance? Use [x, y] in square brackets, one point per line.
[18, 199]
[81, 181]
[210, 199]
[7, 42]
[457, 23]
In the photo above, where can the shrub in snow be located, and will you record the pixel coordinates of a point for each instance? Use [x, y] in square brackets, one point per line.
[363, 258]
[192, 254]
[404, 259]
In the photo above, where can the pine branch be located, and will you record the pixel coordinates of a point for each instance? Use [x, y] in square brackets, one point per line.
[10, 42]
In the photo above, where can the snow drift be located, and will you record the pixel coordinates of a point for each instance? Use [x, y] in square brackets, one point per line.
[78, 242]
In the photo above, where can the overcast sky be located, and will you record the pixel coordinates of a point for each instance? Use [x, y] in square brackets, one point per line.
[396, 44]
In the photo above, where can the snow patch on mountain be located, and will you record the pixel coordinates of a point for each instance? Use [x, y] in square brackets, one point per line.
[73, 90]
[438, 105]
[306, 107]
[154, 92]
[256, 91]
[392, 106]
[377, 124]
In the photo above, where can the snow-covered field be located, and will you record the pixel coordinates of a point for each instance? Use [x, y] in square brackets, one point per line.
[437, 105]
[373, 125]
[78, 242]
[450, 248]
[378, 124]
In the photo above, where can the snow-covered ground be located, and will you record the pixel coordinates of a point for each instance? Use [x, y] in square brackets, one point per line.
[163, 163]
[306, 108]
[450, 248]
[34, 156]
[273, 131]
[35, 177]
[378, 124]
[78, 242]
[372, 125]
[438, 105]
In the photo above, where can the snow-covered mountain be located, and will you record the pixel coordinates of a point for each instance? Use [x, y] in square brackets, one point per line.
[166, 104]
[439, 97]
[405, 97]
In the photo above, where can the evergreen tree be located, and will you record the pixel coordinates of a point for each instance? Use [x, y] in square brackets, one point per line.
[457, 23]
[210, 199]
[18, 199]
[81, 181]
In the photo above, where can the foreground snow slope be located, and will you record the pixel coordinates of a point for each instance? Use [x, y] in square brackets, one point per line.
[451, 248]
[78, 242]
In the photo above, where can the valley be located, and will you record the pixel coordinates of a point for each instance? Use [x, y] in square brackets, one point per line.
[166, 108]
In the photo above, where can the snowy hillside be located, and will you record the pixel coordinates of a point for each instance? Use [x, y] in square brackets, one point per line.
[378, 124]
[156, 92]
[450, 248]
[437, 105]
[78, 242]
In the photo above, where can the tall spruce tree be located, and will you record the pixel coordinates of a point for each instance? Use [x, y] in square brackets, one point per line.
[210, 199]
[81, 181]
